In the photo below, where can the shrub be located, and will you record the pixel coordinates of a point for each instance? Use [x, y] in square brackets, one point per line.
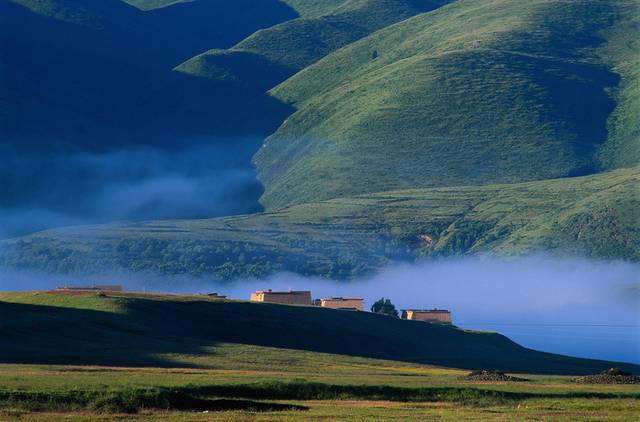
[385, 307]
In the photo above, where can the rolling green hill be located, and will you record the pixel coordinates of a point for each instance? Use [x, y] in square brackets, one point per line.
[153, 4]
[112, 330]
[435, 135]
[471, 93]
[84, 84]
[295, 44]
[594, 216]
[96, 75]
[303, 7]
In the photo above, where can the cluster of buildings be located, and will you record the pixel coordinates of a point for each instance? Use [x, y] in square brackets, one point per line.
[293, 297]
[303, 297]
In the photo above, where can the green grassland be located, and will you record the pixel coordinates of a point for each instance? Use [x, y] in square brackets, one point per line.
[153, 4]
[471, 93]
[284, 49]
[307, 8]
[376, 410]
[84, 356]
[594, 216]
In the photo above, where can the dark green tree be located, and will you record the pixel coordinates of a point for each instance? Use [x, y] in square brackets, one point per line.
[385, 307]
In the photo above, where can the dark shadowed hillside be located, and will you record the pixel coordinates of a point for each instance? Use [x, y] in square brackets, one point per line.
[88, 87]
[136, 331]
[284, 49]
[99, 74]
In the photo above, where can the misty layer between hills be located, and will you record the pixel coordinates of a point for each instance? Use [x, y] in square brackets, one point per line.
[62, 188]
[576, 307]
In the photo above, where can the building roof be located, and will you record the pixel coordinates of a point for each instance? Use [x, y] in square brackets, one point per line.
[428, 311]
[290, 292]
[92, 287]
[342, 298]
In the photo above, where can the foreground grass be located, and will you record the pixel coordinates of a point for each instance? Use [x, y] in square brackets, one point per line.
[360, 411]
[146, 367]
[277, 365]
[288, 401]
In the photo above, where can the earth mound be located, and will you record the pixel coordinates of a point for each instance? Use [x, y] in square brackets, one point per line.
[610, 376]
[492, 376]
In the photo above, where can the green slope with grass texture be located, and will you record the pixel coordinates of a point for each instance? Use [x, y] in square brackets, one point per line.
[153, 4]
[303, 7]
[622, 148]
[471, 93]
[593, 216]
[112, 330]
[281, 50]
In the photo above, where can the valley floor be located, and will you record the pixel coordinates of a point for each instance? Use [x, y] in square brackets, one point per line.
[560, 399]
[97, 357]
[534, 410]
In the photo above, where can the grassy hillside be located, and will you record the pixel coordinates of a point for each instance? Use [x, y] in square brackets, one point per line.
[98, 74]
[297, 43]
[135, 331]
[472, 93]
[622, 147]
[594, 216]
[303, 7]
[153, 4]
[86, 84]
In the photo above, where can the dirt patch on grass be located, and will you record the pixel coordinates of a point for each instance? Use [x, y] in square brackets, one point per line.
[492, 376]
[610, 376]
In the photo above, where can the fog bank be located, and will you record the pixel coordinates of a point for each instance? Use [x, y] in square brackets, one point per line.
[206, 178]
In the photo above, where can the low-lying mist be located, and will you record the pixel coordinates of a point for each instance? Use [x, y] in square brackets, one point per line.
[572, 306]
[203, 179]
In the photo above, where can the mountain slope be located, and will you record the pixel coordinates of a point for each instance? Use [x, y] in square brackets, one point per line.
[622, 148]
[97, 73]
[303, 7]
[471, 93]
[112, 330]
[86, 85]
[297, 43]
[593, 216]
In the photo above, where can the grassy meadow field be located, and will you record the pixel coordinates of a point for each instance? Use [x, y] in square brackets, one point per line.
[135, 357]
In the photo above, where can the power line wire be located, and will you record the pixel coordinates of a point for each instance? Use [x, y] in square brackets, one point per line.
[550, 325]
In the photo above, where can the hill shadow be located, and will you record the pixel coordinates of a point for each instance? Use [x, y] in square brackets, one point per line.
[105, 84]
[94, 88]
[580, 97]
[39, 334]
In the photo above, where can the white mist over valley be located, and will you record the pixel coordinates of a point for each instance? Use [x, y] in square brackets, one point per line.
[570, 306]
